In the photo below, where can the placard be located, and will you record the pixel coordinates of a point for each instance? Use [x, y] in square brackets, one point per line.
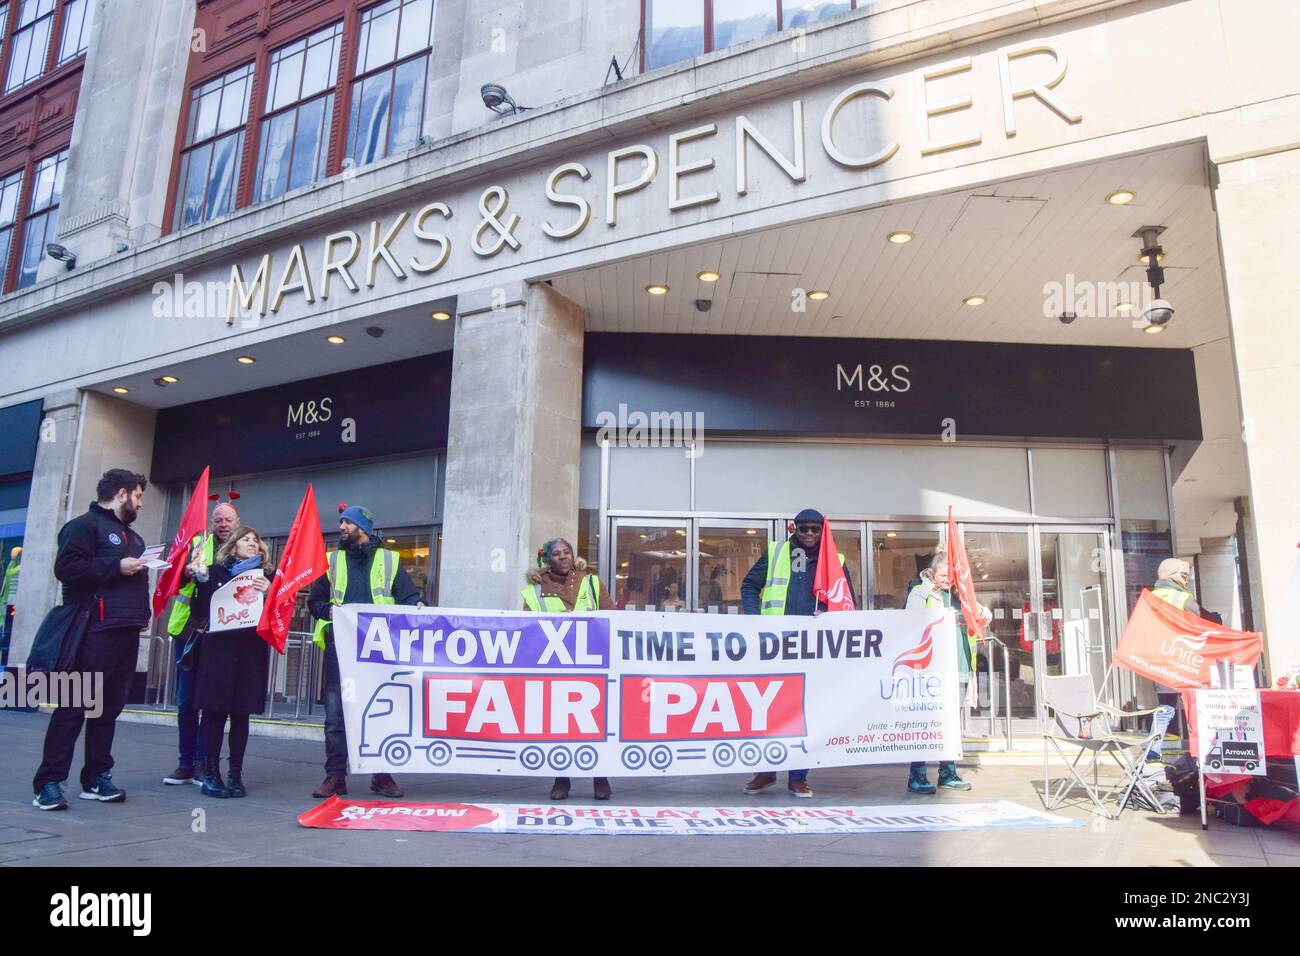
[237, 603]
[1230, 732]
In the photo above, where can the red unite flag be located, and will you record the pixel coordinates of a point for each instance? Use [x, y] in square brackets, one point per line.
[830, 587]
[194, 523]
[959, 574]
[1178, 649]
[302, 563]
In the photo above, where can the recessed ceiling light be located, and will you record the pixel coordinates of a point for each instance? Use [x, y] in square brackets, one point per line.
[335, 339]
[974, 300]
[900, 237]
[1121, 197]
[709, 276]
[891, 534]
[442, 316]
[170, 379]
[1124, 308]
[1153, 329]
[657, 289]
[818, 294]
[751, 531]
[245, 360]
[121, 389]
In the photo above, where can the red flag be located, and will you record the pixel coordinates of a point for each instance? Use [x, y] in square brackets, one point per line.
[303, 562]
[194, 522]
[829, 584]
[959, 574]
[1178, 649]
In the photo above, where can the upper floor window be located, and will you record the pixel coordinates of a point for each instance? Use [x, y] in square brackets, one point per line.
[677, 30]
[76, 29]
[31, 42]
[10, 187]
[42, 214]
[214, 145]
[387, 93]
[294, 137]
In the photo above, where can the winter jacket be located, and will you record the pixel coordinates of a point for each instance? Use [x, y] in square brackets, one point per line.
[91, 548]
[799, 599]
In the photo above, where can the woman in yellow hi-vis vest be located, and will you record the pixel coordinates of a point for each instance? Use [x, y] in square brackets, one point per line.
[560, 584]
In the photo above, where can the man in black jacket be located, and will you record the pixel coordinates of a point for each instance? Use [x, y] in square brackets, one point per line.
[99, 565]
[363, 561]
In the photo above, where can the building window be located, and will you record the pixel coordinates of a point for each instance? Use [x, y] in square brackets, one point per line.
[214, 144]
[30, 43]
[42, 214]
[393, 53]
[10, 187]
[294, 139]
[676, 30]
[76, 30]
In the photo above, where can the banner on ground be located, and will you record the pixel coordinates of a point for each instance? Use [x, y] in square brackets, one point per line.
[627, 693]
[532, 819]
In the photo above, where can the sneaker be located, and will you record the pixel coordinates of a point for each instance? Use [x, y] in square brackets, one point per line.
[952, 782]
[235, 785]
[181, 774]
[104, 791]
[917, 782]
[800, 788]
[212, 787]
[196, 777]
[760, 782]
[50, 798]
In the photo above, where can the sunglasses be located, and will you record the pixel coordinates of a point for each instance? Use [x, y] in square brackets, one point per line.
[808, 528]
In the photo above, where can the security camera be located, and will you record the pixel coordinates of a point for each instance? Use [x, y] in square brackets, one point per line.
[374, 332]
[62, 253]
[1068, 317]
[1158, 312]
[703, 305]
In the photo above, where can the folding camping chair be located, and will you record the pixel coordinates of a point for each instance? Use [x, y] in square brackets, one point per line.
[1075, 718]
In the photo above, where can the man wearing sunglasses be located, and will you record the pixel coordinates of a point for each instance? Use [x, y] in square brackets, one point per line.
[781, 582]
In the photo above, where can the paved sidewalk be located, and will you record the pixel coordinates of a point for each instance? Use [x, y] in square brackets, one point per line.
[157, 823]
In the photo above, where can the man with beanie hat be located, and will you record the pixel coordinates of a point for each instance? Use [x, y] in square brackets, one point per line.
[781, 582]
[359, 572]
[8, 595]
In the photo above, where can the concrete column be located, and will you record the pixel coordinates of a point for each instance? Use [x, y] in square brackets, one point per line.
[1258, 185]
[90, 434]
[38, 591]
[513, 441]
[1216, 574]
[124, 133]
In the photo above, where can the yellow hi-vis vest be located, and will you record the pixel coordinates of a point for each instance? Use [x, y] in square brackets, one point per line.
[383, 572]
[778, 577]
[933, 601]
[1173, 596]
[588, 598]
[180, 615]
[9, 591]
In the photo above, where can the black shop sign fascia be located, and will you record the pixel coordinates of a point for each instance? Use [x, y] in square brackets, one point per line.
[891, 387]
[391, 409]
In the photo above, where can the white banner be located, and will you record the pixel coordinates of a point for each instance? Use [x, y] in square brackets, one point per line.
[627, 693]
[533, 819]
[1230, 732]
[237, 603]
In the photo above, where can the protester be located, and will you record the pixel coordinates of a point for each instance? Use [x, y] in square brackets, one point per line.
[232, 665]
[8, 597]
[1173, 586]
[191, 766]
[560, 583]
[360, 572]
[781, 582]
[99, 564]
[935, 591]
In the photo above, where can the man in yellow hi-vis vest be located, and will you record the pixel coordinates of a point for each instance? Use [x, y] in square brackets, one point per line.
[1173, 586]
[8, 597]
[781, 582]
[189, 768]
[360, 572]
[561, 584]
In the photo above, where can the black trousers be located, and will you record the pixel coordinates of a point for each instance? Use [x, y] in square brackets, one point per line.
[110, 653]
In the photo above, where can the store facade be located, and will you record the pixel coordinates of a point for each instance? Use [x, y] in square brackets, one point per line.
[881, 263]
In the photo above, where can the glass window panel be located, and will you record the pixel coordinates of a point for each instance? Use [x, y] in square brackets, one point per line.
[286, 78]
[649, 567]
[725, 557]
[224, 173]
[413, 552]
[21, 47]
[369, 126]
[75, 15]
[1076, 595]
[10, 187]
[194, 175]
[307, 142]
[1143, 516]
[408, 105]
[417, 21]
[205, 117]
[234, 102]
[736, 21]
[897, 559]
[1000, 567]
[273, 163]
[322, 61]
[379, 36]
[588, 543]
[802, 13]
[656, 479]
[848, 542]
[6, 238]
[34, 246]
[675, 31]
[1070, 483]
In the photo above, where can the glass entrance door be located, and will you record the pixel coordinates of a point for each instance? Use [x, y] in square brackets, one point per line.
[649, 570]
[725, 550]
[1075, 565]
